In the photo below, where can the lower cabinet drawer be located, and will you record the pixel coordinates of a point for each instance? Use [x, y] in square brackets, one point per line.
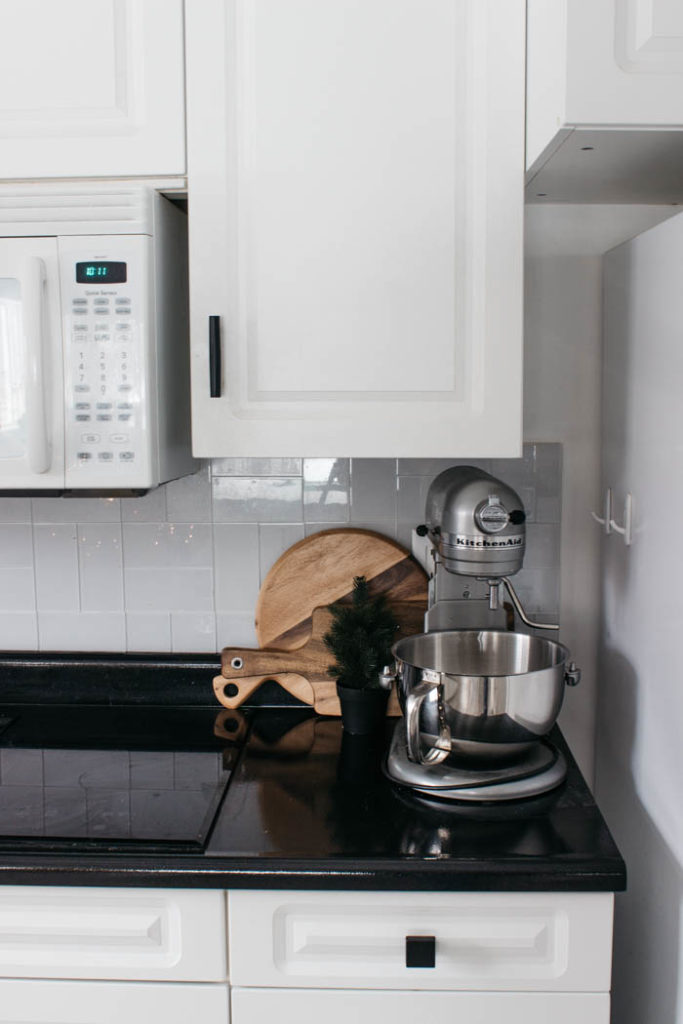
[301, 1006]
[111, 1002]
[127, 934]
[477, 941]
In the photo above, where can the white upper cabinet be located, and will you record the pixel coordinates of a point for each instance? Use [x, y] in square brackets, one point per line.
[91, 88]
[355, 175]
[601, 75]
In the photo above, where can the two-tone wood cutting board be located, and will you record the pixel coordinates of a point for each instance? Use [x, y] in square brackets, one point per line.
[302, 672]
[290, 621]
[319, 570]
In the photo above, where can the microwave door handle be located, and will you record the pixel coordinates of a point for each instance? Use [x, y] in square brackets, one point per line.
[38, 441]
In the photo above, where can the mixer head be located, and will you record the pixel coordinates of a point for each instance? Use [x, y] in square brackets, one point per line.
[476, 523]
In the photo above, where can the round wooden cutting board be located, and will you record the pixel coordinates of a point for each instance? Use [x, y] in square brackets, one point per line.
[319, 570]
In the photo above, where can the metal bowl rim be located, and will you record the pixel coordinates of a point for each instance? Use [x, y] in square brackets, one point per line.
[484, 675]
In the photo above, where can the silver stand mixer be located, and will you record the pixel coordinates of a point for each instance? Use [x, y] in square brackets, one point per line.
[478, 698]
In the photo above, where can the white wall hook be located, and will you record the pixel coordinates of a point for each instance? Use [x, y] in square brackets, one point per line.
[606, 519]
[627, 529]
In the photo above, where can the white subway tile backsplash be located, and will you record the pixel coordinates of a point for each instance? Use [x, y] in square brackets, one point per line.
[235, 629]
[542, 547]
[373, 489]
[76, 510]
[16, 545]
[193, 632]
[148, 631]
[101, 567]
[188, 500]
[168, 590]
[15, 510]
[256, 467]
[148, 508]
[85, 631]
[236, 554]
[327, 490]
[167, 545]
[180, 568]
[274, 541]
[257, 499]
[17, 589]
[411, 497]
[18, 630]
[56, 568]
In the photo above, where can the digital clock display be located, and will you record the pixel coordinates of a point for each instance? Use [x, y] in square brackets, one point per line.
[101, 272]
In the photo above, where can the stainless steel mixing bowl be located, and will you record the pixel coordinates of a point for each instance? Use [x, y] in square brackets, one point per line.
[479, 694]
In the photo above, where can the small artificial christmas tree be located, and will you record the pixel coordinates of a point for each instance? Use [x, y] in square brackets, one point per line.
[360, 638]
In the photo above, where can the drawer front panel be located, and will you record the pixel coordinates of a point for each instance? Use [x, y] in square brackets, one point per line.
[111, 1002]
[506, 941]
[134, 934]
[294, 1006]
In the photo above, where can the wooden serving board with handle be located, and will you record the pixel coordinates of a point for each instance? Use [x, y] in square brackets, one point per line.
[319, 570]
[302, 672]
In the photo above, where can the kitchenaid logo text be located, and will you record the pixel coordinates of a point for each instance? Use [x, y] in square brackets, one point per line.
[484, 542]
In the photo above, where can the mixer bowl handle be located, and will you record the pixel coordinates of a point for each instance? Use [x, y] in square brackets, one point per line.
[429, 689]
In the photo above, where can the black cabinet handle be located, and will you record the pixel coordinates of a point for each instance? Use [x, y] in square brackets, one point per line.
[215, 356]
[420, 951]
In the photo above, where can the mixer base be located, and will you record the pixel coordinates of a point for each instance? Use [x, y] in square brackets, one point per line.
[537, 771]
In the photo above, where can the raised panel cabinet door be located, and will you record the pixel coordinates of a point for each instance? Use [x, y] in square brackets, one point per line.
[355, 173]
[615, 64]
[560, 942]
[91, 88]
[106, 1002]
[254, 1006]
[100, 933]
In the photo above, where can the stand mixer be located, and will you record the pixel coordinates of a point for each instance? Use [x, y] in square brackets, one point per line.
[478, 698]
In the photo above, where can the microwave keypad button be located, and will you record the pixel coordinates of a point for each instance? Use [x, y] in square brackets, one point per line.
[82, 388]
[100, 302]
[103, 417]
[119, 438]
[126, 456]
[125, 406]
[102, 337]
[83, 456]
[124, 417]
[80, 328]
[104, 405]
[125, 387]
[82, 417]
[123, 337]
[101, 327]
[90, 438]
[82, 405]
[105, 456]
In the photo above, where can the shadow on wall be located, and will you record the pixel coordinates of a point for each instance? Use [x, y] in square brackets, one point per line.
[646, 987]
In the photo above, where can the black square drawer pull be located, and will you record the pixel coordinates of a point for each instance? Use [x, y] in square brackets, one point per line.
[420, 951]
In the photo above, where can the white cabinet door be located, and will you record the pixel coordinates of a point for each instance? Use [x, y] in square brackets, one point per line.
[100, 933]
[615, 65]
[102, 1002]
[254, 1006]
[91, 88]
[355, 187]
[559, 942]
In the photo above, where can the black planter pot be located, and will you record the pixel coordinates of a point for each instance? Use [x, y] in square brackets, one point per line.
[362, 711]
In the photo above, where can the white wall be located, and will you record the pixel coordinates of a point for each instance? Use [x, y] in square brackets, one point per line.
[640, 705]
[562, 370]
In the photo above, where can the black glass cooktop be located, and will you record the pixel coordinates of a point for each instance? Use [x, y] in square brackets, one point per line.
[111, 779]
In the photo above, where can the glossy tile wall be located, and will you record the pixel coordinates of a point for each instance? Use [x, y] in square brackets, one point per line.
[180, 568]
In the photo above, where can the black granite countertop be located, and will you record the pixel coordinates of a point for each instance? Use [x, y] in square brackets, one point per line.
[306, 807]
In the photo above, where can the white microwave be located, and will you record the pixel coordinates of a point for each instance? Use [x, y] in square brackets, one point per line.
[94, 350]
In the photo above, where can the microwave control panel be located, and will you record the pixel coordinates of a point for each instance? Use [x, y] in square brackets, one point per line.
[108, 324]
